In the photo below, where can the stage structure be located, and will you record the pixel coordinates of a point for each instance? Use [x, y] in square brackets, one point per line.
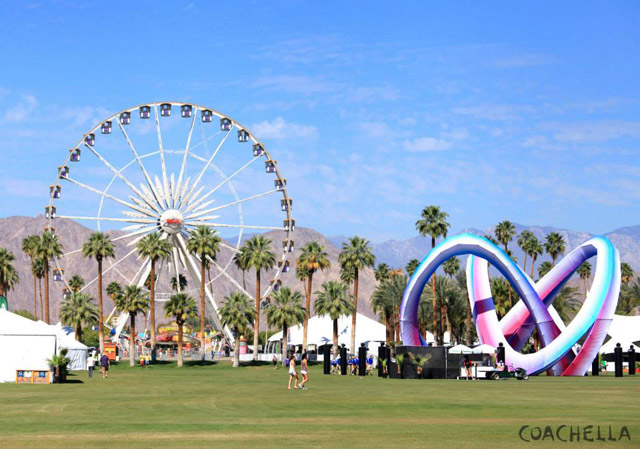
[534, 311]
[169, 168]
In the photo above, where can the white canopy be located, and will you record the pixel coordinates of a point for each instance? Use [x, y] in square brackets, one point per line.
[483, 349]
[624, 330]
[76, 351]
[321, 331]
[460, 349]
[24, 345]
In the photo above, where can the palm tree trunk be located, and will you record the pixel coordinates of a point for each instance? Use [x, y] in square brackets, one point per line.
[132, 340]
[152, 307]
[35, 294]
[46, 295]
[100, 317]
[78, 332]
[525, 262]
[256, 325]
[436, 335]
[307, 313]
[244, 284]
[355, 312]
[179, 344]
[202, 310]
[388, 330]
[41, 301]
[585, 288]
[533, 264]
[236, 351]
[334, 348]
[283, 349]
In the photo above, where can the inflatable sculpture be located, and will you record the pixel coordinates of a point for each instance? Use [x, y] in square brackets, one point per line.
[535, 309]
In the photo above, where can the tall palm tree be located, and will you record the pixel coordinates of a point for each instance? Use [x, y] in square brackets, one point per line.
[584, 271]
[523, 242]
[313, 257]
[333, 300]
[78, 312]
[238, 313]
[433, 223]
[534, 249]
[356, 255]
[261, 257]
[243, 262]
[49, 248]
[544, 268]
[451, 266]
[181, 307]
[284, 310]
[381, 272]
[567, 300]
[205, 244]
[29, 247]
[154, 248]
[505, 231]
[133, 300]
[37, 268]
[8, 274]
[411, 267]
[500, 292]
[76, 283]
[386, 301]
[629, 298]
[626, 273]
[114, 290]
[302, 274]
[99, 246]
[554, 245]
[179, 284]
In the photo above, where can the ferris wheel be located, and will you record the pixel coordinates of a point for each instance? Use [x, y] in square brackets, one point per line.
[168, 168]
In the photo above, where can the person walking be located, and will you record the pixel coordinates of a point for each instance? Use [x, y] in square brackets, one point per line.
[104, 365]
[274, 360]
[293, 374]
[304, 370]
[91, 363]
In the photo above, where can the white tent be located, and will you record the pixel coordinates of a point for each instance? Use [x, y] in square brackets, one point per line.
[483, 349]
[624, 330]
[321, 331]
[77, 352]
[460, 349]
[24, 345]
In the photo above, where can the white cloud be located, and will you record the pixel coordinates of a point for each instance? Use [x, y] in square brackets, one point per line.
[497, 112]
[375, 129]
[281, 129]
[523, 61]
[305, 85]
[19, 111]
[595, 131]
[424, 144]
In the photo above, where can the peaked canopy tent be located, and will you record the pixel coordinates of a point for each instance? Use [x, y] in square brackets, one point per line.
[77, 352]
[321, 331]
[24, 345]
[624, 330]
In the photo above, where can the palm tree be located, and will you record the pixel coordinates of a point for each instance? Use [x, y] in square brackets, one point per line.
[584, 271]
[302, 274]
[355, 256]
[49, 247]
[181, 307]
[554, 245]
[133, 300]
[544, 268]
[411, 267]
[386, 301]
[626, 273]
[37, 267]
[534, 249]
[8, 274]
[629, 298]
[381, 272]
[433, 223]
[313, 257]
[154, 248]
[238, 313]
[205, 244]
[179, 284]
[100, 247]
[114, 290]
[78, 312]
[243, 262]
[505, 231]
[523, 242]
[333, 300]
[261, 257]
[29, 247]
[567, 300]
[451, 266]
[284, 310]
[76, 283]
[500, 292]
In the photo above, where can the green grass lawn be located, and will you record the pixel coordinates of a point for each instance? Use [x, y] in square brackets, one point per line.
[219, 406]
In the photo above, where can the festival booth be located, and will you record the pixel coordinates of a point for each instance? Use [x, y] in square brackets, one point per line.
[320, 333]
[25, 347]
[77, 352]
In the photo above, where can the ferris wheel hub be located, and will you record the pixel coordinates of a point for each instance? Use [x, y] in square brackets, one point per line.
[171, 221]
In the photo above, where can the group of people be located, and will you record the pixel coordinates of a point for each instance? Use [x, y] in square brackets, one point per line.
[353, 363]
[102, 360]
[293, 373]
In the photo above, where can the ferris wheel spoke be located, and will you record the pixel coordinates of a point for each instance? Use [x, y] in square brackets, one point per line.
[224, 225]
[111, 267]
[118, 173]
[144, 211]
[185, 199]
[184, 158]
[223, 182]
[145, 229]
[198, 214]
[137, 157]
[119, 220]
[206, 140]
[229, 277]
[165, 182]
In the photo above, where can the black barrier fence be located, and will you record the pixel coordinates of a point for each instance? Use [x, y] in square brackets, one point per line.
[362, 360]
[327, 359]
[343, 360]
[436, 363]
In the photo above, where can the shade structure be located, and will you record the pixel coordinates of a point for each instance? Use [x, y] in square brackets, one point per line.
[483, 349]
[624, 330]
[460, 349]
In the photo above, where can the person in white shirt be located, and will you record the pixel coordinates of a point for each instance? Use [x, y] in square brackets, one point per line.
[91, 364]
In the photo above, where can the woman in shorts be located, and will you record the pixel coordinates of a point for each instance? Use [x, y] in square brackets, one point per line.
[304, 370]
[293, 374]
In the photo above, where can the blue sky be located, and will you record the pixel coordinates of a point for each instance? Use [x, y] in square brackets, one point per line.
[373, 110]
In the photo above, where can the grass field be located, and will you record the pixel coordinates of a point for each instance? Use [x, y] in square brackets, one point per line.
[219, 406]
